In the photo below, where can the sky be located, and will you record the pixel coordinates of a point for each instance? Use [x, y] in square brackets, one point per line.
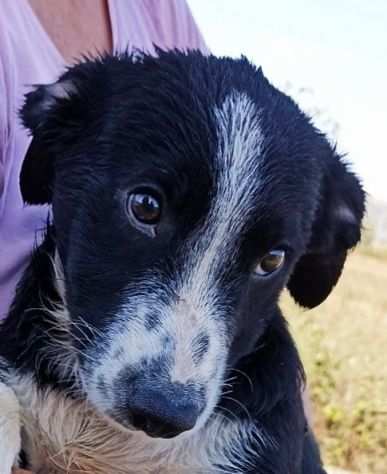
[329, 55]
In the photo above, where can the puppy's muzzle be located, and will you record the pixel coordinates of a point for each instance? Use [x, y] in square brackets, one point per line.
[161, 409]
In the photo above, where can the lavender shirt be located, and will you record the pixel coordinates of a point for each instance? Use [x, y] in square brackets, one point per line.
[28, 56]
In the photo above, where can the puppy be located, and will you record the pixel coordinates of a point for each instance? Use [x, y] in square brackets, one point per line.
[145, 336]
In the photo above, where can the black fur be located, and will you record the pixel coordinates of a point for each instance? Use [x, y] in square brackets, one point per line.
[125, 124]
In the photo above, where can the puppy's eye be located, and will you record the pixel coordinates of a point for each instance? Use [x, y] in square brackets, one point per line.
[145, 208]
[270, 262]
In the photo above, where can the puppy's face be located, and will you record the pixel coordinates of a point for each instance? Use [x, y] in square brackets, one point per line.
[185, 190]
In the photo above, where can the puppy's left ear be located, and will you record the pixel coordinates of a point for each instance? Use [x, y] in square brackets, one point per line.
[336, 229]
[39, 115]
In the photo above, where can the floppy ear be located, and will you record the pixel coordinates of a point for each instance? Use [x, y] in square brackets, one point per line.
[37, 173]
[336, 229]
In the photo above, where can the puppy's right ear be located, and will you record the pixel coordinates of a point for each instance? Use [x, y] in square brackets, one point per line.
[37, 173]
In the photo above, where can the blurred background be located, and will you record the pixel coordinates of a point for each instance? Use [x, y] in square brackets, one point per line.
[331, 56]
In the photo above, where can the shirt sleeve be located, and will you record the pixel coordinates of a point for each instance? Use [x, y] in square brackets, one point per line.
[7, 96]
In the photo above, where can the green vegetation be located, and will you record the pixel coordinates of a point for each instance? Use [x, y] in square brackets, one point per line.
[343, 344]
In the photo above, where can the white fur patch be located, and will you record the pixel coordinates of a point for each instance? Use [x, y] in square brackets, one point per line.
[236, 167]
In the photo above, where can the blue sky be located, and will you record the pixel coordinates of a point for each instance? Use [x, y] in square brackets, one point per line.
[336, 51]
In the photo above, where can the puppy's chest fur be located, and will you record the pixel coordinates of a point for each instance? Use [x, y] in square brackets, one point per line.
[65, 436]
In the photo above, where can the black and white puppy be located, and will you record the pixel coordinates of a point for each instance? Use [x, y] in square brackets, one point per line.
[145, 336]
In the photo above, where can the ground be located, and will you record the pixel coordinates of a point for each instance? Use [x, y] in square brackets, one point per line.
[343, 345]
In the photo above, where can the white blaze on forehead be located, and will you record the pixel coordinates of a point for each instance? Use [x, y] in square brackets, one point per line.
[240, 141]
[235, 170]
[235, 167]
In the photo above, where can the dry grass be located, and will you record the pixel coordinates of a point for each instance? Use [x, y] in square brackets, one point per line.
[343, 344]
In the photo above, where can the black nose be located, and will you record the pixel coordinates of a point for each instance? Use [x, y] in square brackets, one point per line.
[165, 413]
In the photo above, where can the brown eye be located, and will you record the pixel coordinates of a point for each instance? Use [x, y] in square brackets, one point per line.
[270, 262]
[145, 208]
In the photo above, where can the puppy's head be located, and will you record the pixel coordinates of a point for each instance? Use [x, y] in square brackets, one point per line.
[187, 192]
